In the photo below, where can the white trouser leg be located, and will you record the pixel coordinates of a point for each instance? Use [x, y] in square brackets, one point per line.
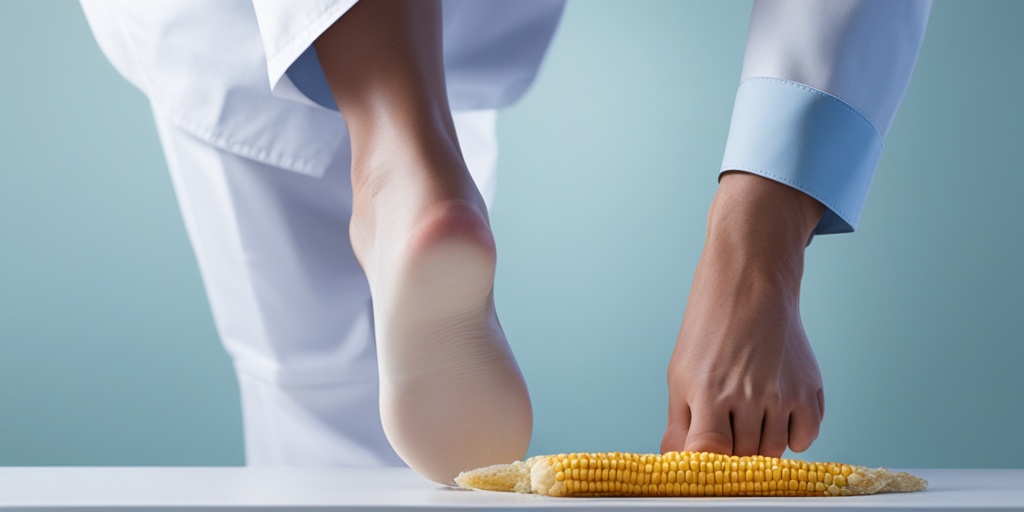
[291, 303]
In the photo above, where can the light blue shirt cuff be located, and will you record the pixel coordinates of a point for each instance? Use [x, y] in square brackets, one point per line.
[807, 139]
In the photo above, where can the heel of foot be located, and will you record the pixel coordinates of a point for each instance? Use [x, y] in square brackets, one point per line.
[450, 259]
[453, 221]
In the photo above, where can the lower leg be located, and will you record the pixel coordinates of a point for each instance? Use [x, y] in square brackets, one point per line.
[452, 396]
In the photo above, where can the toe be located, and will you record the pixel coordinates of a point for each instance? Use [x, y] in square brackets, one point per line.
[674, 439]
[746, 431]
[710, 431]
[775, 434]
[803, 428]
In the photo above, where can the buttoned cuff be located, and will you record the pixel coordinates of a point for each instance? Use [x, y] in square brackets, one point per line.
[809, 140]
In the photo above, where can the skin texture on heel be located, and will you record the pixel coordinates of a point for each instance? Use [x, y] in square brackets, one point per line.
[453, 270]
[445, 364]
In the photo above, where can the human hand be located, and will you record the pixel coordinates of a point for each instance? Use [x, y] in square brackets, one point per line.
[743, 379]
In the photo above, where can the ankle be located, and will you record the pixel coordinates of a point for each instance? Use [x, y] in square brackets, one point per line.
[758, 231]
[759, 214]
[392, 152]
[398, 188]
[763, 209]
[751, 274]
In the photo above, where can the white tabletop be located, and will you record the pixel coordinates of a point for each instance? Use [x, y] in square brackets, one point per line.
[279, 489]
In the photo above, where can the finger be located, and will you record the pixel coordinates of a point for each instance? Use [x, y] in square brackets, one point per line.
[710, 430]
[746, 432]
[775, 434]
[674, 439]
[803, 427]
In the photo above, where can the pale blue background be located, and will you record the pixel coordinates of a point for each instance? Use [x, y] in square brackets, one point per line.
[108, 355]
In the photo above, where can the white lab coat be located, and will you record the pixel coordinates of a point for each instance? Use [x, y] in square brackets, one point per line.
[220, 70]
[240, 101]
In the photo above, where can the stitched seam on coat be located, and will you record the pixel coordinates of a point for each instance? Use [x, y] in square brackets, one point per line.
[309, 167]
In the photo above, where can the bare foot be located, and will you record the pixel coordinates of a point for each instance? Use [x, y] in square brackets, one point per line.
[743, 379]
[452, 395]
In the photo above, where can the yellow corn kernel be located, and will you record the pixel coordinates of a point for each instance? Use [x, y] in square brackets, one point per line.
[684, 474]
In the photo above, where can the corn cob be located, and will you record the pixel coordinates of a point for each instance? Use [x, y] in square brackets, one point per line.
[684, 474]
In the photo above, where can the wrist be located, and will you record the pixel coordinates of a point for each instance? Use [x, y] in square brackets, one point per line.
[761, 228]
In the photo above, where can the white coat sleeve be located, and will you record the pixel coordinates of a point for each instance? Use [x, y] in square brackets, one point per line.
[820, 87]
